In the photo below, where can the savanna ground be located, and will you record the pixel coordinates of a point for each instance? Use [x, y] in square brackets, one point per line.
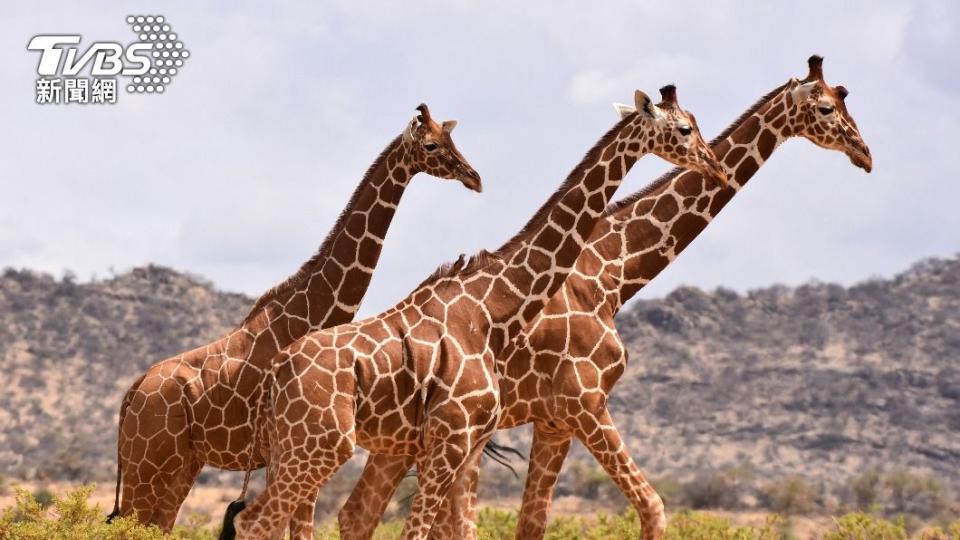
[65, 512]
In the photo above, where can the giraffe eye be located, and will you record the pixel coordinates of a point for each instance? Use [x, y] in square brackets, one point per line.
[430, 146]
[685, 130]
[824, 109]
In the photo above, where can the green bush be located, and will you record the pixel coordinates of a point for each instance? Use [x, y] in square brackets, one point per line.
[70, 518]
[44, 497]
[501, 525]
[859, 526]
[700, 526]
[493, 524]
[328, 531]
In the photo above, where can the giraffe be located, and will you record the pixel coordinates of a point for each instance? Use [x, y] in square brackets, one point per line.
[558, 373]
[195, 408]
[419, 378]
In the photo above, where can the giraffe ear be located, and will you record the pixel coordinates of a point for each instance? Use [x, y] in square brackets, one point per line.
[623, 110]
[644, 104]
[408, 134]
[802, 90]
[448, 125]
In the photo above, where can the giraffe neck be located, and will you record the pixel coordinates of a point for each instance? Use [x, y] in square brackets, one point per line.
[536, 262]
[327, 289]
[660, 224]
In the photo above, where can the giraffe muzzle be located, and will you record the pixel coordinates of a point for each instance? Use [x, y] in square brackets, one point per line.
[470, 179]
[862, 159]
[712, 168]
[858, 152]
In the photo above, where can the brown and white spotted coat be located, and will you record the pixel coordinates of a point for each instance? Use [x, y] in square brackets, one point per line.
[419, 379]
[559, 372]
[194, 409]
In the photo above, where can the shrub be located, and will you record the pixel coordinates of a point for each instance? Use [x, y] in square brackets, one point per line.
[44, 497]
[625, 525]
[915, 494]
[328, 530]
[386, 531]
[716, 489]
[699, 526]
[790, 496]
[860, 526]
[494, 524]
[587, 481]
[865, 489]
[72, 518]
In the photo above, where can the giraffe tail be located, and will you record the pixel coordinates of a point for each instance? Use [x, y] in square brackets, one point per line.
[500, 454]
[123, 409]
[228, 531]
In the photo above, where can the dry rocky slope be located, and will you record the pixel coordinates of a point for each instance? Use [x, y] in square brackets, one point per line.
[820, 380]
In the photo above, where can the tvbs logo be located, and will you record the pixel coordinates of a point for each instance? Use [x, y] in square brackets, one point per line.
[108, 58]
[148, 64]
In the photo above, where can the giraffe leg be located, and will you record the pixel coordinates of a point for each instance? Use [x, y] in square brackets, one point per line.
[306, 449]
[178, 487]
[138, 498]
[601, 437]
[437, 471]
[364, 508]
[301, 524]
[298, 479]
[547, 453]
[156, 473]
[457, 517]
[158, 464]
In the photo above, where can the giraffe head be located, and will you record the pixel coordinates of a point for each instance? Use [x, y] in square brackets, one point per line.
[672, 133]
[430, 150]
[818, 112]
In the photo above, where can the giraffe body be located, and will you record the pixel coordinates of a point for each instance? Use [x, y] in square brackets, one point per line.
[420, 379]
[197, 408]
[559, 372]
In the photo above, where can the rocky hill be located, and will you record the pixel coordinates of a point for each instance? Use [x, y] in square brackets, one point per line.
[69, 351]
[819, 380]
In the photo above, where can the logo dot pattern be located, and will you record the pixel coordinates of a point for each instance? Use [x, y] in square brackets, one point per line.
[166, 56]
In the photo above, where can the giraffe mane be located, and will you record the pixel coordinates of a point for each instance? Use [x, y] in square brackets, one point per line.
[576, 175]
[748, 113]
[463, 265]
[296, 280]
[667, 177]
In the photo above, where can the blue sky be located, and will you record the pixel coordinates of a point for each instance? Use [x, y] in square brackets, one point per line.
[239, 169]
